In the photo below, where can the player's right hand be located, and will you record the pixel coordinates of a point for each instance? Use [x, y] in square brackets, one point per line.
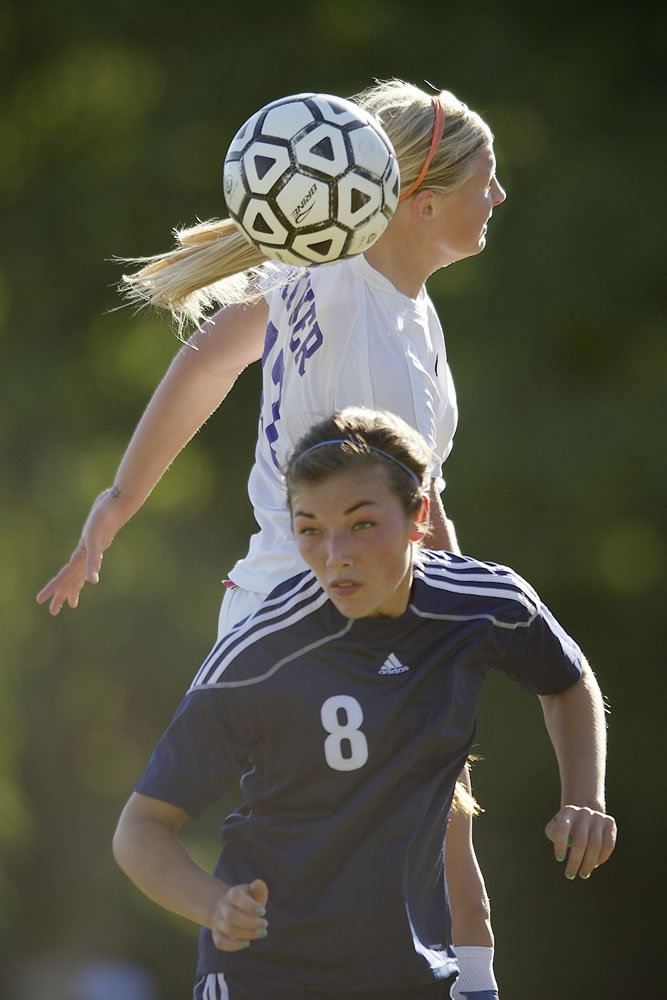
[106, 517]
[240, 916]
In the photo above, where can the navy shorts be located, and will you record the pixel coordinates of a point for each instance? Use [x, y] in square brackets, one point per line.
[231, 987]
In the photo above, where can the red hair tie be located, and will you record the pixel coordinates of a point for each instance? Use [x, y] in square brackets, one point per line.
[438, 129]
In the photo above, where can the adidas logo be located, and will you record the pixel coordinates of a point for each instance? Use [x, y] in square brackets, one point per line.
[392, 665]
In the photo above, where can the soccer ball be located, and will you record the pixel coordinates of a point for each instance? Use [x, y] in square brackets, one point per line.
[310, 179]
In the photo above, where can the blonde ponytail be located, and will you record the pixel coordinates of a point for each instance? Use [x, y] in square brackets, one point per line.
[212, 265]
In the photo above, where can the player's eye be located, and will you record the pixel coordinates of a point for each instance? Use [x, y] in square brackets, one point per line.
[361, 525]
[308, 531]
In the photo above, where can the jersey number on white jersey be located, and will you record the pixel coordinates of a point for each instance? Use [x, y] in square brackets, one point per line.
[277, 375]
[345, 748]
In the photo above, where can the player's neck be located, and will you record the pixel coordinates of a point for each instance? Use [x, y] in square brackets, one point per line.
[398, 259]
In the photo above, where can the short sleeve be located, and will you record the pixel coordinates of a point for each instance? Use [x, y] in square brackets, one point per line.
[195, 759]
[539, 654]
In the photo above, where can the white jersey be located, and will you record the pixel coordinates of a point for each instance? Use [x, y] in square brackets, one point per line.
[339, 335]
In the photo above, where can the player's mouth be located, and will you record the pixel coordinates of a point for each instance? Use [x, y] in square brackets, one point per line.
[343, 588]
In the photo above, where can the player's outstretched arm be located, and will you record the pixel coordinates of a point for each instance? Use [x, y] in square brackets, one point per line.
[194, 386]
[582, 832]
[147, 848]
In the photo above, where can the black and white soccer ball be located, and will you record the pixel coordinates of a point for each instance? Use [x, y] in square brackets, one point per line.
[311, 178]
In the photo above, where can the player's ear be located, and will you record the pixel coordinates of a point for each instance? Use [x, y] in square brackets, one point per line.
[421, 522]
[423, 204]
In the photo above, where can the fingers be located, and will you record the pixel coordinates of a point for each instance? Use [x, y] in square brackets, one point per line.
[66, 586]
[59, 590]
[45, 592]
[259, 891]
[93, 566]
[583, 838]
[240, 917]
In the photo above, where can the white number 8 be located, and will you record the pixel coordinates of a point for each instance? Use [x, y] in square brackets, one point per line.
[346, 737]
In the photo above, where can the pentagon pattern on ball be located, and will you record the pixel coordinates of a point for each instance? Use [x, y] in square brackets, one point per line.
[310, 179]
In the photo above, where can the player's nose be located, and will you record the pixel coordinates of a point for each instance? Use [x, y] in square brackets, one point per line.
[499, 192]
[338, 550]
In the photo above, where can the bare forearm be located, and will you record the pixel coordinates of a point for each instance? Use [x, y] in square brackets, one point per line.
[158, 864]
[147, 848]
[197, 381]
[469, 902]
[470, 908]
[183, 401]
[575, 721]
[582, 832]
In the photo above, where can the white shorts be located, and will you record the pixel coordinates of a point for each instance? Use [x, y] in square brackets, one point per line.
[237, 604]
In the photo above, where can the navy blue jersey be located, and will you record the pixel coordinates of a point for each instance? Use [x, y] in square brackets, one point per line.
[349, 736]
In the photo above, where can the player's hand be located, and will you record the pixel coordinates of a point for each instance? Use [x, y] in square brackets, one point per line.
[583, 838]
[107, 515]
[240, 916]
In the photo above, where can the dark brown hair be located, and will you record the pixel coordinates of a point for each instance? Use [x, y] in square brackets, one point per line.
[356, 437]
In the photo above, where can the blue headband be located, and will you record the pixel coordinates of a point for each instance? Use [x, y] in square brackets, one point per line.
[385, 454]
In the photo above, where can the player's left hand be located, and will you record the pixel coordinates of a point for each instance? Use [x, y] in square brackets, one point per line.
[238, 917]
[582, 837]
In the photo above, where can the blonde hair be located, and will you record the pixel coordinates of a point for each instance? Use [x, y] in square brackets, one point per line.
[214, 264]
[406, 114]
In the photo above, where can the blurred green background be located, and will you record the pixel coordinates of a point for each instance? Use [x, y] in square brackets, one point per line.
[115, 120]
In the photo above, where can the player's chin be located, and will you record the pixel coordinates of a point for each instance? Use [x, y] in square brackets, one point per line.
[472, 250]
[348, 606]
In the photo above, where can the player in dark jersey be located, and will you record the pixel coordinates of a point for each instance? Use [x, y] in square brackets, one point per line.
[347, 704]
